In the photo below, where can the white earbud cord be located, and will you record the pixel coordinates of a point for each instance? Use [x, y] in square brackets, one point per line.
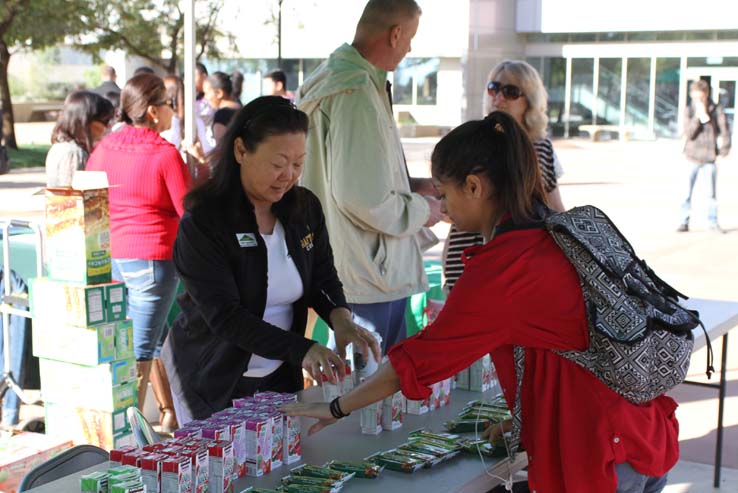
[509, 481]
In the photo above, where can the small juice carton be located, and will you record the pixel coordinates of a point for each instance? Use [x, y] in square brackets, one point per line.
[116, 455]
[151, 472]
[258, 445]
[134, 486]
[237, 429]
[446, 392]
[392, 411]
[417, 407]
[462, 379]
[277, 438]
[480, 374]
[347, 383]
[220, 466]
[199, 460]
[132, 458]
[216, 431]
[176, 474]
[371, 419]
[292, 439]
[435, 397]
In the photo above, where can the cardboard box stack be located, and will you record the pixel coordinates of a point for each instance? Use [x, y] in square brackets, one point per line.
[80, 330]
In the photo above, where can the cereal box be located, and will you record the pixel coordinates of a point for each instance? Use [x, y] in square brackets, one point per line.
[78, 233]
[82, 305]
[89, 346]
[94, 393]
[104, 429]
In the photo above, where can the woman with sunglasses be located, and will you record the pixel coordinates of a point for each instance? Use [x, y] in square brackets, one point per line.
[514, 87]
[82, 123]
[148, 183]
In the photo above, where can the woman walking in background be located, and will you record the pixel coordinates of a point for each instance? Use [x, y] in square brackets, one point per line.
[148, 183]
[83, 122]
[515, 87]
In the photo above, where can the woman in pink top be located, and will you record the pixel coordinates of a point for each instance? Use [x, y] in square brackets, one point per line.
[148, 182]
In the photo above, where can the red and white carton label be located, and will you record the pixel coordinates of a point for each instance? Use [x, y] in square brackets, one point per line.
[220, 466]
[116, 455]
[176, 474]
[151, 466]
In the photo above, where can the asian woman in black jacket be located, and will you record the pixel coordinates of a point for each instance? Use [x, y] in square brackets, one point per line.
[253, 254]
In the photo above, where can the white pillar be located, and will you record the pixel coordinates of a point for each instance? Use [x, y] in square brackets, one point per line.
[567, 98]
[623, 96]
[190, 131]
[595, 89]
[682, 104]
[652, 98]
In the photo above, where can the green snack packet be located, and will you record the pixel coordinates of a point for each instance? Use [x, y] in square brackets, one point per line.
[365, 469]
[446, 438]
[117, 471]
[128, 487]
[96, 482]
[320, 472]
[465, 425]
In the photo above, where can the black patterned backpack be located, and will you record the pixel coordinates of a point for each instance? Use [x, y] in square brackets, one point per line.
[640, 337]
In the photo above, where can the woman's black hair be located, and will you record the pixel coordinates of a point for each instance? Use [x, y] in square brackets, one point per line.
[261, 118]
[81, 108]
[499, 149]
[222, 81]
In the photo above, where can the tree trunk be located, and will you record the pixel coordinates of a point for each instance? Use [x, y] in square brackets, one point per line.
[8, 123]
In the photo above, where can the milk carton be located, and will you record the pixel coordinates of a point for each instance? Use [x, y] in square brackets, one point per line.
[220, 466]
[392, 411]
[258, 445]
[371, 419]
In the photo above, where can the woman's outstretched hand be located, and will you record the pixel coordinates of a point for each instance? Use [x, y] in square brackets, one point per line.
[319, 410]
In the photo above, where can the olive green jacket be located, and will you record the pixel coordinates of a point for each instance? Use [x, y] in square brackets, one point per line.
[355, 165]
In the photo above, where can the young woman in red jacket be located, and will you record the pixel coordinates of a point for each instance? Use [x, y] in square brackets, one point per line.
[520, 289]
[148, 183]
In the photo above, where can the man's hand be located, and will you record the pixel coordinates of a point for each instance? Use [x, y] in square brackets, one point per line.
[435, 211]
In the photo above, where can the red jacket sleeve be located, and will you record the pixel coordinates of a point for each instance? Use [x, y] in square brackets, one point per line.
[469, 326]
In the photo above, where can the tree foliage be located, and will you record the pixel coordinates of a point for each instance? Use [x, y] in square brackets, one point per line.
[31, 25]
[151, 29]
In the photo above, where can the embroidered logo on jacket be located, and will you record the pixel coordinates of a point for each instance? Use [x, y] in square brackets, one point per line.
[246, 240]
[307, 242]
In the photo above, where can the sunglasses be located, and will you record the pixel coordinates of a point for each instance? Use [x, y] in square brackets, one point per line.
[171, 102]
[508, 90]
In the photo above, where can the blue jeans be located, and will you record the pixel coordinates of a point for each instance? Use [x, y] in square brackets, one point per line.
[20, 341]
[711, 170]
[630, 481]
[151, 286]
[387, 319]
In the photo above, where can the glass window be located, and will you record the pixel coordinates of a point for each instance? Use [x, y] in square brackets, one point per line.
[402, 83]
[727, 35]
[536, 62]
[291, 68]
[582, 100]
[667, 97]
[699, 35]
[608, 91]
[308, 65]
[583, 37]
[611, 37]
[554, 80]
[426, 80]
[559, 38]
[726, 97]
[637, 92]
[536, 38]
[670, 36]
[712, 61]
[642, 36]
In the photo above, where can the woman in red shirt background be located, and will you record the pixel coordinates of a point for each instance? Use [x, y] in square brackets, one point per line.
[520, 289]
[148, 181]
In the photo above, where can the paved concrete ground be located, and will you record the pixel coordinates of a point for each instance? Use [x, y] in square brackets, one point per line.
[640, 185]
